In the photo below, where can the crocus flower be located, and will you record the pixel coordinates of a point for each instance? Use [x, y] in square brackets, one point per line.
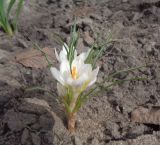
[73, 78]
[79, 76]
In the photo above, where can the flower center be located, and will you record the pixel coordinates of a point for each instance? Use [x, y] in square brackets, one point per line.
[74, 73]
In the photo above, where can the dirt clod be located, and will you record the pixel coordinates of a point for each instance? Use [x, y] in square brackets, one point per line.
[146, 115]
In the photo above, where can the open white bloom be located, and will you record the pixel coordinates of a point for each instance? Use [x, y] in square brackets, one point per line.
[79, 76]
[63, 53]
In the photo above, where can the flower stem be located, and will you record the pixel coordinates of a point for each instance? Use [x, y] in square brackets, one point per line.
[8, 29]
[71, 122]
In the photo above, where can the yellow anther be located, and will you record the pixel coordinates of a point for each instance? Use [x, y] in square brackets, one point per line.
[74, 73]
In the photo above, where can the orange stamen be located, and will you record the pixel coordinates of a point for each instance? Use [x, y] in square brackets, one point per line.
[74, 73]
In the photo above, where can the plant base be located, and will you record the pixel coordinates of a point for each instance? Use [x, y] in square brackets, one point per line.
[71, 122]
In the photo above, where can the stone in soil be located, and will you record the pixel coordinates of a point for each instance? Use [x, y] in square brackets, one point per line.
[32, 108]
[146, 115]
[36, 139]
[25, 136]
[13, 121]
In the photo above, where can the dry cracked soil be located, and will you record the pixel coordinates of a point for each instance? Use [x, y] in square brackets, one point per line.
[36, 118]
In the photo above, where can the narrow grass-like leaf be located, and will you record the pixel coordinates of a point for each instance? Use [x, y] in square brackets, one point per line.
[2, 15]
[89, 58]
[122, 81]
[80, 101]
[0, 24]
[58, 39]
[97, 51]
[44, 54]
[36, 88]
[11, 3]
[122, 71]
[69, 96]
[78, 104]
[100, 88]
[98, 55]
[19, 7]
[6, 23]
[102, 48]
[68, 109]
[2, 11]
[72, 44]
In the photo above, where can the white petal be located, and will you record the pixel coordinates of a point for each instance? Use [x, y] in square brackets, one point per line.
[79, 63]
[79, 82]
[84, 74]
[83, 79]
[57, 75]
[62, 91]
[94, 76]
[75, 62]
[85, 68]
[81, 59]
[57, 56]
[63, 53]
[63, 56]
[83, 56]
[64, 67]
[75, 53]
[65, 46]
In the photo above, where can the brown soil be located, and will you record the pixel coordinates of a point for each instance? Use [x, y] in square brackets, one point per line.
[35, 118]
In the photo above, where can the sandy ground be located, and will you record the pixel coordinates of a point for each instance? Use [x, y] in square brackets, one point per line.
[35, 118]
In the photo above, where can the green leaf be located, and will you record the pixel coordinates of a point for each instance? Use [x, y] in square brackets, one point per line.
[36, 46]
[5, 10]
[122, 71]
[122, 81]
[85, 96]
[1, 24]
[69, 96]
[89, 58]
[97, 50]
[68, 109]
[72, 45]
[36, 88]
[2, 14]
[99, 53]
[58, 39]
[2, 11]
[80, 101]
[78, 104]
[19, 7]
[11, 3]
[9, 28]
